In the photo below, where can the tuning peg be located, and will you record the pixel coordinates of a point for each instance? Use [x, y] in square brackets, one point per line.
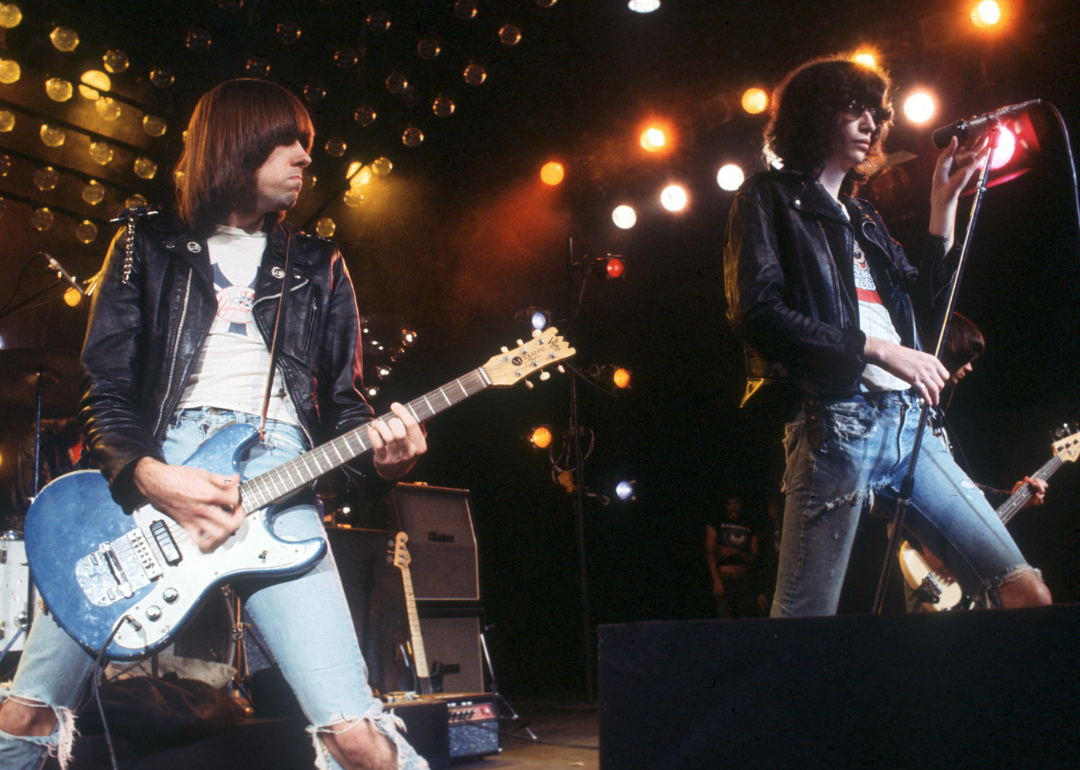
[504, 349]
[545, 376]
[536, 333]
[529, 385]
[520, 343]
[561, 368]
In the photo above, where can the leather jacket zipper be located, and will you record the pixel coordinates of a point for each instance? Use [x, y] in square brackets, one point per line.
[835, 278]
[312, 315]
[175, 354]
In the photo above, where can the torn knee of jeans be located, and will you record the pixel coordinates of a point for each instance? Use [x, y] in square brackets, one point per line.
[991, 594]
[385, 722]
[59, 742]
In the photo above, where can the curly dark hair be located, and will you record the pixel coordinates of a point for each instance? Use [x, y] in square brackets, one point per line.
[805, 107]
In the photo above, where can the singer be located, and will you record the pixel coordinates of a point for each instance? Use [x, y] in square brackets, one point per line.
[823, 299]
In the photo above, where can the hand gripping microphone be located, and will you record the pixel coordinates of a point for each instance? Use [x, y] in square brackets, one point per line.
[977, 126]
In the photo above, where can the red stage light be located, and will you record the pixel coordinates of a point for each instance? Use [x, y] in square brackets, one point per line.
[615, 267]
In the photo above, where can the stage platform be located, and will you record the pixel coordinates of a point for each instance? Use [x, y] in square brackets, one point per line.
[282, 744]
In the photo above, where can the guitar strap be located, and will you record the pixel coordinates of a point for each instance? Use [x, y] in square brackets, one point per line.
[279, 321]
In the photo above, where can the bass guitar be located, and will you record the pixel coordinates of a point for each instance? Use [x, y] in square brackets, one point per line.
[127, 584]
[935, 585]
[427, 682]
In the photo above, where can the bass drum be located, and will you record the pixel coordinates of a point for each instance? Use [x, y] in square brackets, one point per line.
[14, 591]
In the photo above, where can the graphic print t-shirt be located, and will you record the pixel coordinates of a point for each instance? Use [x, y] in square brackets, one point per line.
[231, 370]
[874, 321]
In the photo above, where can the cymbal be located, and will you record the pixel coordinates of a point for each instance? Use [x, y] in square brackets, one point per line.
[58, 371]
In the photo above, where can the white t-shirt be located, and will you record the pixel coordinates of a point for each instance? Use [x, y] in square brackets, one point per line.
[232, 366]
[874, 321]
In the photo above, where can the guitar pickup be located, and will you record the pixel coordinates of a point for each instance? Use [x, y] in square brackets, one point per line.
[164, 539]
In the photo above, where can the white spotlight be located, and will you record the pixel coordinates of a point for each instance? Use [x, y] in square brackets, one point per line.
[644, 6]
[730, 177]
[673, 198]
[624, 217]
[919, 107]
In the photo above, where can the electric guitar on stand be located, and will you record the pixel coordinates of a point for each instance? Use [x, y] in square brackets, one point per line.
[427, 682]
[936, 587]
[127, 584]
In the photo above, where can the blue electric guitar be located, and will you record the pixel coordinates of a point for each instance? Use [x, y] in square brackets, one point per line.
[139, 578]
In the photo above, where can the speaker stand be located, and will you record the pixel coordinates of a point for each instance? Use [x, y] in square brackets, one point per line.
[502, 703]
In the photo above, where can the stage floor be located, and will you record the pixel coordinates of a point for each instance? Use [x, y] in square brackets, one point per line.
[568, 736]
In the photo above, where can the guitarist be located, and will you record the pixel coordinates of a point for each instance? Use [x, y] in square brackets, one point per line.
[964, 343]
[179, 344]
[820, 295]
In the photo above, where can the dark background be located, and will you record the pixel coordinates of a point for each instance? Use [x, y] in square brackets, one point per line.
[462, 235]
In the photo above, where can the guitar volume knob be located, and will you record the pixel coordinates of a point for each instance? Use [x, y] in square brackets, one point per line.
[170, 595]
[153, 612]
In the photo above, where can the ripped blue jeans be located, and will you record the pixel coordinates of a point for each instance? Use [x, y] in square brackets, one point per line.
[865, 445]
[305, 621]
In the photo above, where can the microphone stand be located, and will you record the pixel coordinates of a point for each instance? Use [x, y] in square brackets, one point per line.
[907, 485]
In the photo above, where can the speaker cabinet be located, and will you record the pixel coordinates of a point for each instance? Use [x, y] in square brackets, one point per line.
[452, 639]
[442, 544]
[991, 689]
[376, 597]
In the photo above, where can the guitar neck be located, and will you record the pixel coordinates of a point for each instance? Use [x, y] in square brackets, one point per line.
[282, 481]
[414, 630]
[1017, 501]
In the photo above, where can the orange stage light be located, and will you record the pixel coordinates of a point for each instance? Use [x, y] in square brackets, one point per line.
[552, 173]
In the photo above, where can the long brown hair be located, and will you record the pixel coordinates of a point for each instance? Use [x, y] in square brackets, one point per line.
[233, 130]
[805, 106]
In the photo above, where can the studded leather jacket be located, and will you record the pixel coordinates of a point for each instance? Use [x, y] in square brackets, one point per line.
[790, 283]
[152, 311]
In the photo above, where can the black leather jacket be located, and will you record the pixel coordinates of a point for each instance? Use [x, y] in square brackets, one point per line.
[790, 283]
[145, 335]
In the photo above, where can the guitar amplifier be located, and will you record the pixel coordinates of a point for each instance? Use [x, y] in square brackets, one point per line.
[474, 725]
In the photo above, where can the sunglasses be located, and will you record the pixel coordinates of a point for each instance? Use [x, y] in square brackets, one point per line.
[854, 110]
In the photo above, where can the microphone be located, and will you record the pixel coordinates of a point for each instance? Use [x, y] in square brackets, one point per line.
[62, 273]
[979, 125]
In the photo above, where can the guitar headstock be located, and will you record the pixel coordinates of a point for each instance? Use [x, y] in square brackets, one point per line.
[517, 363]
[1067, 447]
[401, 553]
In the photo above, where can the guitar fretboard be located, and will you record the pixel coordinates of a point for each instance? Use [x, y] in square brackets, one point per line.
[279, 483]
[1017, 501]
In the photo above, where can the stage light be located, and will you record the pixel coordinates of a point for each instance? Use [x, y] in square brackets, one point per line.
[866, 59]
[755, 101]
[115, 61]
[1004, 149]
[621, 377]
[624, 217]
[614, 266]
[624, 490]
[358, 174]
[540, 320]
[474, 74]
[10, 15]
[134, 201]
[673, 198]
[408, 337]
[64, 39]
[653, 139]
[94, 192]
[94, 81]
[52, 136]
[58, 89]
[42, 219]
[986, 14]
[46, 178]
[145, 168]
[100, 152]
[325, 228]
[7, 122]
[541, 436]
[10, 71]
[382, 166]
[371, 391]
[72, 297]
[364, 115]
[412, 136]
[509, 35]
[919, 107]
[162, 77]
[730, 177]
[443, 106]
[552, 173]
[107, 108]
[644, 6]
[154, 126]
[87, 232]
[383, 372]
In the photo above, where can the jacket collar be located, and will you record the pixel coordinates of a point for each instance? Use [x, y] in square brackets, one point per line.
[813, 198]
